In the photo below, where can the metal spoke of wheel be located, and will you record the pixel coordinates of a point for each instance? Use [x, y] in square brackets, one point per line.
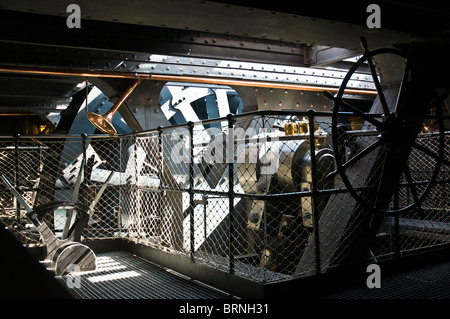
[357, 157]
[405, 169]
[363, 115]
[401, 91]
[379, 180]
[389, 127]
[378, 87]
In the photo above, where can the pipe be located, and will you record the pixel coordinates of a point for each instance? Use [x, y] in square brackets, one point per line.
[178, 78]
[104, 122]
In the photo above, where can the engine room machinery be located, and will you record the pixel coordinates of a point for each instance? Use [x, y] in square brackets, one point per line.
[280, 224]
[64, 254]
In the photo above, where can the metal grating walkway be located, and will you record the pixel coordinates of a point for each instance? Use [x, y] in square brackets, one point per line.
[432, 282]
[121, 275]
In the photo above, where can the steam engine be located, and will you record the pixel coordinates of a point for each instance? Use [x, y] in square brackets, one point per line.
[283, 173]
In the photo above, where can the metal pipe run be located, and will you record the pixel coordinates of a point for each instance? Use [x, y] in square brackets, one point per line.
[104, 122]
[178, 78]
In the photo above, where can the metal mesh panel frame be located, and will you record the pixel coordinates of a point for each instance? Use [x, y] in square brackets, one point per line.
[196, 190]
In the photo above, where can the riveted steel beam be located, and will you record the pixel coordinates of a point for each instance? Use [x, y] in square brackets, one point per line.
[319, 55]
[113, 36]
[360, 87]
[51, 59]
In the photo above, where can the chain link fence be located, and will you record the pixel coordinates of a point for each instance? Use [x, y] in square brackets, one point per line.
[256, 195]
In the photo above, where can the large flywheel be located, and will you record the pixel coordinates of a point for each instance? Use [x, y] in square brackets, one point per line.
[391, 162]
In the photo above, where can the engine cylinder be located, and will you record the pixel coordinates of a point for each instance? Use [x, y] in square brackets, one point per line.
[259, 162]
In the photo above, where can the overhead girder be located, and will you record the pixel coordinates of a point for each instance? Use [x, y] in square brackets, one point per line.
[120, 39]
[122, 44]
[199, 29]
[240, 30]
[113, 71]
[35, 91]
[421, 18]
[301, 23]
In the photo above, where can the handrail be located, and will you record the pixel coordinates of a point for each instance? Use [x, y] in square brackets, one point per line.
[261, 113]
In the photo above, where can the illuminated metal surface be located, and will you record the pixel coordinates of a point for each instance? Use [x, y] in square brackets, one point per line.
[243, 74]
[120, 275]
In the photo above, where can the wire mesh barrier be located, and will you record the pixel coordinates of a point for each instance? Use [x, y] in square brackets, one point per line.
[258, 195]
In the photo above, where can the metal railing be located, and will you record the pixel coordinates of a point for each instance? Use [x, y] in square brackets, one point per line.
[249, 194]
